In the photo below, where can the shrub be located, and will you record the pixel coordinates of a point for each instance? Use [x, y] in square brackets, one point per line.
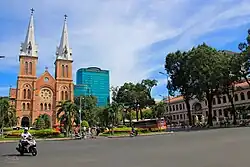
[7, 129]
[85, 123]
[128, 130]
[45, 133]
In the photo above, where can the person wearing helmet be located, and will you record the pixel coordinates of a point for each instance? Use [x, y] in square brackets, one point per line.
[26, 136]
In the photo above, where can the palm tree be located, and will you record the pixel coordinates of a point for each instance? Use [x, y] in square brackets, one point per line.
[7, 114]
[46, 119]
[43, 121]
[67, 114]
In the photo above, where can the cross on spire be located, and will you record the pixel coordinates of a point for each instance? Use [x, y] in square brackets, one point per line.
[63, 51]
[29, 47]
[65, 17]
[32, 11]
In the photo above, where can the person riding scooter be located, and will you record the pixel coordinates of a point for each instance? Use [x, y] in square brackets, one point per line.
[25, 137]
[134, 132]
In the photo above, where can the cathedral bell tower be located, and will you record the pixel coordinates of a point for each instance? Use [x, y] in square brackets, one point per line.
[63, 67]
[27, 75]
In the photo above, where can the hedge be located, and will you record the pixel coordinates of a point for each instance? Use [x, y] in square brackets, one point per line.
[121, 130]
[45, 133]
[7, 129]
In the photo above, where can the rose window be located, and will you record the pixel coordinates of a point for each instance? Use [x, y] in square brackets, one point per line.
[46, 94]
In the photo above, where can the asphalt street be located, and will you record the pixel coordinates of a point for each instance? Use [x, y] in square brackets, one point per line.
[212, 148]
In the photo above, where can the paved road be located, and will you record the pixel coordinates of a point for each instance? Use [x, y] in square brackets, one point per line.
[214, 148]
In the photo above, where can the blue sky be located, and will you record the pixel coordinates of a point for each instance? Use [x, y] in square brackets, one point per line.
[130, 38]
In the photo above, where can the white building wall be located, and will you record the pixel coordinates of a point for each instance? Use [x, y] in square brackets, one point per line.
[178, 110]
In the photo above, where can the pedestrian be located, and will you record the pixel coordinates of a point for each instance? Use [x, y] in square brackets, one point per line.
[98, 131]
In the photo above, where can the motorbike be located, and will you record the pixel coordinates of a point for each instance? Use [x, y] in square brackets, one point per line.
[22, 146]
[133, 134]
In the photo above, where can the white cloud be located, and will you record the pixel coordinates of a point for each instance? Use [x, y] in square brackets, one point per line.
[114, 34]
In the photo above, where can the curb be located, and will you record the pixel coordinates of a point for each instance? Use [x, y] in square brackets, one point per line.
[53, 139]
[141, 135]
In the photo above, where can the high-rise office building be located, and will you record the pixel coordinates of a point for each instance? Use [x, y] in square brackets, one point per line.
[93, 81]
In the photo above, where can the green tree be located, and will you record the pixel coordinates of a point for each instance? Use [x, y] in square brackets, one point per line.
[46, 122]
[149, 84]
[179, 68]
[159, 110]
[244, 58]
[114, 91]
[88, 108]
[207, 73]
[102, 117]
[7, 114]
[85, 123]
[40, 123]
[231, 75]
[148, 114]
[67, 114]
[135, 96]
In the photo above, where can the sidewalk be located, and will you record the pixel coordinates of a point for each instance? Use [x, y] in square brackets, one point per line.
[48, 139]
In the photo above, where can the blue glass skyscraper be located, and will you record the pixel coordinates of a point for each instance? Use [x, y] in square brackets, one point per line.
[93, 81]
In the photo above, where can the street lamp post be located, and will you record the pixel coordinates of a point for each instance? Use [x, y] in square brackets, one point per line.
[168, 94]
[80, 115]
[80, 110]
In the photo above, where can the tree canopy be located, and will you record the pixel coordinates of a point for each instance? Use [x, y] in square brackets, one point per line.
[180, 72]
[203, 72]
[136, 96]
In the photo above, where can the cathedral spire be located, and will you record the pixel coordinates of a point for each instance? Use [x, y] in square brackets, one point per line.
[64, 52]
[29, 47]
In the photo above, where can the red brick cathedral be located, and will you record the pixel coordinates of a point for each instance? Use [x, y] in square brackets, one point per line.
[40, 95]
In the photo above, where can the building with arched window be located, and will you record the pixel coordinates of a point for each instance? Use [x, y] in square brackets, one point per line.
[221, 105]
[36, 95]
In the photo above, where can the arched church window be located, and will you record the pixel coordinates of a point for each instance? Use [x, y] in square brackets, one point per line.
[49, 106]
[23, 106]
[28, 106]
[29, 94]
[30, 68]
[26, 68]
[63, 71]
[45, 106]
[66, 95]
[41, 106]
[242, 96]
[248, 95]
[24, 94]
[67, 70]
[62, 95]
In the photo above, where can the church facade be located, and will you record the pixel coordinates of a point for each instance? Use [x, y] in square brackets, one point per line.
[34, 95]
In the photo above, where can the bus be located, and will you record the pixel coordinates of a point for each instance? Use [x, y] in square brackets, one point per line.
[151, 124]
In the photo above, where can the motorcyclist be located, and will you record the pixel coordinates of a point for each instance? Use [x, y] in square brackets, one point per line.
[26, 136]
[133, 130]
